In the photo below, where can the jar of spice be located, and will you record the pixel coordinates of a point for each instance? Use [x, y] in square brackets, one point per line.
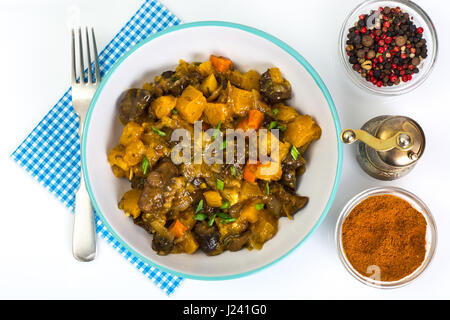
[369, 61]
[386, 237]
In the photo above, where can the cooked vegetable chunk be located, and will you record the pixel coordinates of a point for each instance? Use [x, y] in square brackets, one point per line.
[191, 104]
[240, 101]
[163, 106]
[206, 68]
[129, 203]
[263, 230]
[208, 237]
[285, 113]
[302, 131]
[274, 88]
[134, 105]
[209, 85]
[116, 158]
[247, 81]
[132, 132]
[269, 171]
[221, 64]
[215, 113]
[213, 198]
[134, 153]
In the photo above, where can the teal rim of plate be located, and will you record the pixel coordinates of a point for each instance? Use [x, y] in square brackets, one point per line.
[291, 51]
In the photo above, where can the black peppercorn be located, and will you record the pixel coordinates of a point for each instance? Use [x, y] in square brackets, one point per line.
[390, 54]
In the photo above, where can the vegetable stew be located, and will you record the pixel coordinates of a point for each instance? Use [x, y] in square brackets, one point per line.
[211, 206]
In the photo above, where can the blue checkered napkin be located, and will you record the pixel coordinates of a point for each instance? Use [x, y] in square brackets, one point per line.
[51, 152]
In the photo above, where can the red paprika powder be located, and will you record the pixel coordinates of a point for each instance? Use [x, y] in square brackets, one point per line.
[387, 232]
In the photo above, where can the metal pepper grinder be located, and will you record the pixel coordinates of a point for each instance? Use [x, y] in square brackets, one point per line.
[389, 146]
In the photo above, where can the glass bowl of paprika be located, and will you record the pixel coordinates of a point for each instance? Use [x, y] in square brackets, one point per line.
[386, 237]
[388, 47]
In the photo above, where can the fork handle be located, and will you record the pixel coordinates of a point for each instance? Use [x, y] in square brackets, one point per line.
[83, 241]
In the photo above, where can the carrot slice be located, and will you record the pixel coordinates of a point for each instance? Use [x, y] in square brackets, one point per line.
[255, 119]
[177, 228]
[221, 64]
[250, 172]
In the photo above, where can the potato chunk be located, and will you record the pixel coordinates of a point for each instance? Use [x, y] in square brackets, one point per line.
[249, 190]
[249, 212]
[134, 153]
[209, 85]
[240, 101]
[213, 198]
[286, 113]
[116, 158]
[129, 203]
[206, 68]
[302, 131]
[247, 81]
[269, 171]
[215, 112]
[191, 104]
[131, 132]
[163, 106]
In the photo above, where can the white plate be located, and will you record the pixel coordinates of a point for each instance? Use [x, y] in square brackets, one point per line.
[248, 48]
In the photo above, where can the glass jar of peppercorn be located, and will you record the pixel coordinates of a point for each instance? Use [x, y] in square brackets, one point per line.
[388, 47]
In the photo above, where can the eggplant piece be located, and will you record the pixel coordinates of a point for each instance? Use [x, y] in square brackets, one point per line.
[236, 242]
[273, 205]
[168, 74]
[274, 88]
[138, 182]
[174, 85]
[292, 163]
[289, 178]
[152, 197]
[134, 105]
[290, 166]
[162, 245]
[290, 201]
[207, 237]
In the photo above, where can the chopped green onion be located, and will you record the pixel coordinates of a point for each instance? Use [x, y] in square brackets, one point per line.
[223, 215]
[267, 188]
[224, 145]
[225, 205]
[145, 165]
[228, 220]
[161, 133]
[217, 131]
[200, 216]
[233, 171]
[259, 206]
[273, 124]
[199, 206]
[174, 111]
[275, 111]
[211, 220]
[220, 184]
[294, 152]
[281, 127]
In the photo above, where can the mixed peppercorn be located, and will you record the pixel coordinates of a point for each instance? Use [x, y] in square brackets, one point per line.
[386, 47]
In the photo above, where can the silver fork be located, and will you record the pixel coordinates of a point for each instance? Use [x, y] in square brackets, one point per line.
[83, 241]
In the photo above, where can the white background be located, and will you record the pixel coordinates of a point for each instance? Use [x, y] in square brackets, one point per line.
[35, 229]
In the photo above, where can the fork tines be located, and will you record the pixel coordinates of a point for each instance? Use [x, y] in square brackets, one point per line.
[81, 78]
